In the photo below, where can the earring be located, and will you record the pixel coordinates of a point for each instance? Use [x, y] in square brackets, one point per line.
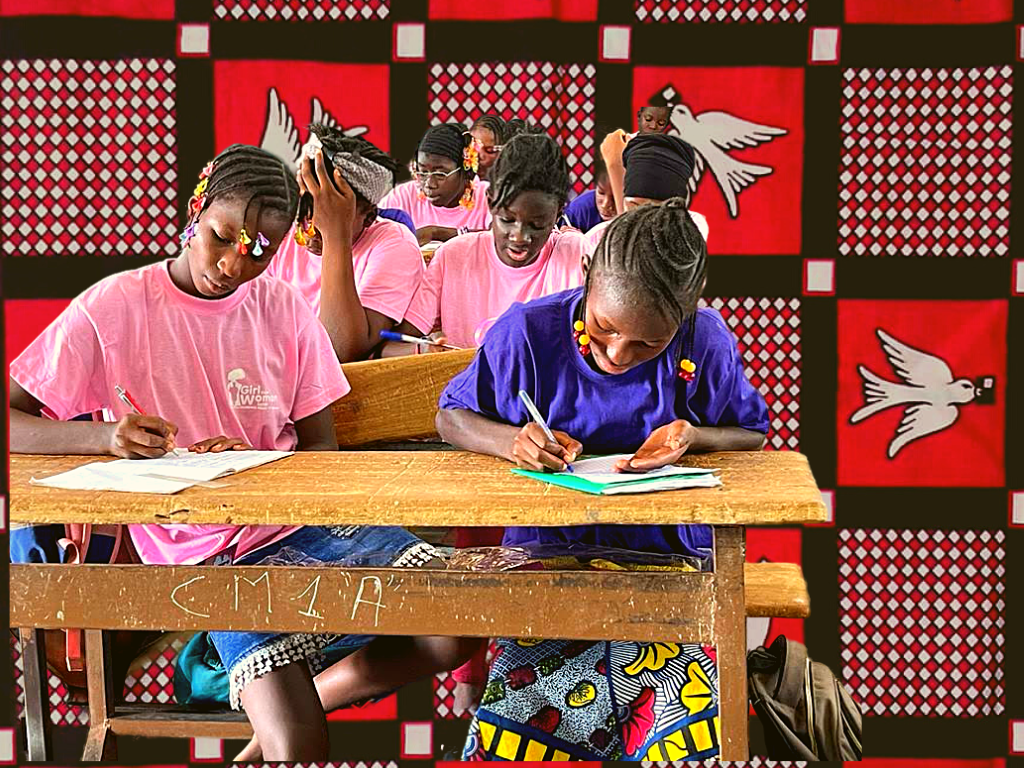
[580, 337]
[687, 370]
[467, 200]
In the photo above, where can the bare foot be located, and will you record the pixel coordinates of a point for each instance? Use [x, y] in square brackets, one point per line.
[467, 697]
[252, 753]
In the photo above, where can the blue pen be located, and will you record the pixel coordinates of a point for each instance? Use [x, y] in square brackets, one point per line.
[392, 336]
[540, 421]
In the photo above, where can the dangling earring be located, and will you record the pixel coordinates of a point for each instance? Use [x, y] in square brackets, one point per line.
[580, 336]
[467, 200]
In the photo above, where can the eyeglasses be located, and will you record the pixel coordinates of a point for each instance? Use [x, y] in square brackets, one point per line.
[424, 176]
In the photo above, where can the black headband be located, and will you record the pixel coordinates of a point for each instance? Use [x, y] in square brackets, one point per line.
[658, 166]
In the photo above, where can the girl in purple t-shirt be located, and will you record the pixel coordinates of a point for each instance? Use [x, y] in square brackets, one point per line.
[628, 364]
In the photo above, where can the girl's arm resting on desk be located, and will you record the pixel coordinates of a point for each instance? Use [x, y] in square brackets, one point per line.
[527, 446]
[316, 432]
[132, 437]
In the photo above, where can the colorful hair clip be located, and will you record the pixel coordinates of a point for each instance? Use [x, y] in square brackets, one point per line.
[471, 157]
[201, 187]
[189, 232]
[687, 370]
[207, 170]
[261, 243]
[579, 334]
[304, 233]
[243, 242]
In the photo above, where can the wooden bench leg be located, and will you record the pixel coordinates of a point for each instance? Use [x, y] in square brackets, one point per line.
[37, 693]
[101, 743]
[731, 645]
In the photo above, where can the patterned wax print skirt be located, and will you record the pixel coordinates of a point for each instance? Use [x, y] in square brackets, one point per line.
[556, 700]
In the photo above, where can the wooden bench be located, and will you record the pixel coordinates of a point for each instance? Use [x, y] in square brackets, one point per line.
[391, 400]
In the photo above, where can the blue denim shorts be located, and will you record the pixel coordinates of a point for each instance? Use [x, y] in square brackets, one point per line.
[249, 655]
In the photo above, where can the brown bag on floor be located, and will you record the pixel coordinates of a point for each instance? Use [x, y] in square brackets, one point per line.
[805, 712]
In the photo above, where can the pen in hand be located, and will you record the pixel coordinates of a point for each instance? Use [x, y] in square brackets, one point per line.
[125, 397]
[535, 415]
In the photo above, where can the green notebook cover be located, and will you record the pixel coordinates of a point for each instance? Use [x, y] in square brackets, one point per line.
[577, 483]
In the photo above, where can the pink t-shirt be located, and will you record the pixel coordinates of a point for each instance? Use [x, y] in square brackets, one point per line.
[248, 365]
[386, 260]
[467, 287]
[424, 213]
[594, 235]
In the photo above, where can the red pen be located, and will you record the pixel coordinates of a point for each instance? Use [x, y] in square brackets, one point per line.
[127, 399]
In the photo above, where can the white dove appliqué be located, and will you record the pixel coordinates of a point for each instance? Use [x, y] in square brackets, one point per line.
[929, 391]
[281, 137]
[711, 134]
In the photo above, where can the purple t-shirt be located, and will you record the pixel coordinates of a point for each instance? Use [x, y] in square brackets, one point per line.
[531, 347]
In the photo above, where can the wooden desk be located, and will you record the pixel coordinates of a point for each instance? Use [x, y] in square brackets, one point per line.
[414, 488]
[427, 488]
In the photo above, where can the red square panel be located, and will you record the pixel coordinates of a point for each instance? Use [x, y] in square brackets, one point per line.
[26, 319]
[302, 10]
[507, 10]
[921, 393]
[385, 709]
[928, 11]
[270, 103]
[125, 9]
[922, 621]
[63, 125]
[925, 164]
[768, 336]
[556, 97]
[760, 11]
[746, 125]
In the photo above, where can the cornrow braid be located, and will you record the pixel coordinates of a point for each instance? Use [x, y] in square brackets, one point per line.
[517, 126]
[661, 259]
[492, 123]
[531, 162]
[242, 170]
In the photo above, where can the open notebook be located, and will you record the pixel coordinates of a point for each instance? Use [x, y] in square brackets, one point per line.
[168, 474]
[598, 476]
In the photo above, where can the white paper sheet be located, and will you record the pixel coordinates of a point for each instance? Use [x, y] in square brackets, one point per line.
[168, 474]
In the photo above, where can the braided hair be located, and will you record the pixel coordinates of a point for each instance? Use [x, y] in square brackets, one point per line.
[517, 126]
[531, 162]
[335, 141]
[242, 170]
[492, 123]
[658, 260]
[447, 140]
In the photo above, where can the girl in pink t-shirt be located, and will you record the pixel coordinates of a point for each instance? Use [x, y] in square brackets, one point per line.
[222, 361]
[357, 271]
[474, 278]
[444, 195]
